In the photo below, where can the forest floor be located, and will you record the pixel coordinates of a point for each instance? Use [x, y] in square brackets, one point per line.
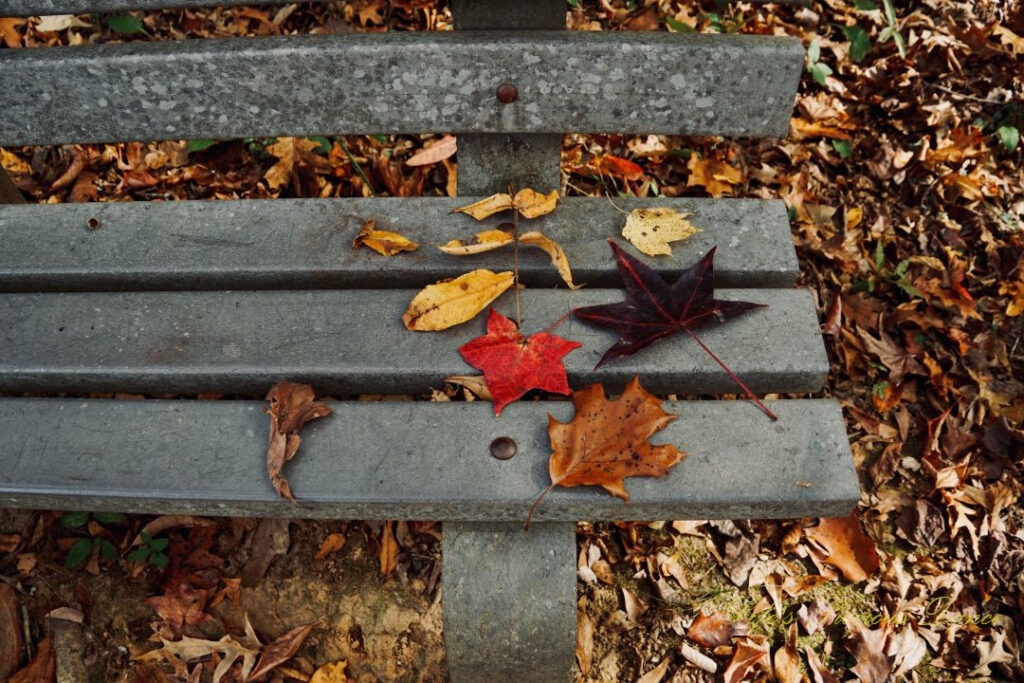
[903, 176]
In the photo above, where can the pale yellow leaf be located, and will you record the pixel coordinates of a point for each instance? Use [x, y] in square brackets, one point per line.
[487, 240]
[383, 242]
[446, 304]
[1010, 39]
[13, 164]
[555, 251]
[651, 230]
[484, 208]
[657, 673]
[438, 151]
[331, 673]
[475, 383]
[286, 150]
[531, 204]
[59, 22]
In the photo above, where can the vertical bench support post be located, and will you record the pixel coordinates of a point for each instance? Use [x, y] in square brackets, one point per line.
[509, 597]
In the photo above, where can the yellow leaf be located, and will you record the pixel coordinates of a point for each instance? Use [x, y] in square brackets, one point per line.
[650, 230]
[853, 217]
[13, 164]
[333, 544]
[531, 204]
[331, 673]
[488, 240]
[484, 208]
[9, 31]
[388, 550]
[382, 241]
[717, 176]
[554, 250]
[286, 150]
[448, 303]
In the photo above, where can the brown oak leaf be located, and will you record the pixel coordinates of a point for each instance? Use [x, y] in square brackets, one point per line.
[606, 441]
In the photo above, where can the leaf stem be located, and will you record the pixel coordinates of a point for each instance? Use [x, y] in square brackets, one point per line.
[533, 507]
[559, 321]
[736, 379]
[515, 246]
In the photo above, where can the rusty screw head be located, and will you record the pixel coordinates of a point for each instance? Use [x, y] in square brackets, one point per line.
[503, 448]
[507, 93]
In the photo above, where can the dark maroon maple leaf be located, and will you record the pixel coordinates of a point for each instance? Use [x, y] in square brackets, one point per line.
[654, 309]
[512, 364]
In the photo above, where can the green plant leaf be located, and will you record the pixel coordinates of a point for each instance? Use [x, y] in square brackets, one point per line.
[865, 5]
[159, 560]
[139, 554]
[158, 543]
[679, 26]
[78, 553]
[1009, 136]
[126, 23]
[860, 43]
[813, 52]
[73, 520]
[879, 256]
[844, 147]
[107, 550]
[820, 72]
[109, 517]
[199, 145]
[325, 144]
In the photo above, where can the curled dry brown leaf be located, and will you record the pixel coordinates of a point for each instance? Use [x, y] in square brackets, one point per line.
[290, 407]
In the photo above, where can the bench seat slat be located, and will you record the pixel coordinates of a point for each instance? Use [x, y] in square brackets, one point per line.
[413, 82]
[307, 243]
[353, 341]
[411, 461]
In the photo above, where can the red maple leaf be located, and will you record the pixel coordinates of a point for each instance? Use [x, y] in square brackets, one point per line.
[513, 364]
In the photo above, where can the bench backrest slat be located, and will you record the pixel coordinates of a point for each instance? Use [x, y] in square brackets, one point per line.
[401, 83]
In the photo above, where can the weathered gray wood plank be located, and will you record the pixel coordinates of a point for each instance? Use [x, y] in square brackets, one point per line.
[411, 461]
[307, 243]
[403, 83]
[353, 341]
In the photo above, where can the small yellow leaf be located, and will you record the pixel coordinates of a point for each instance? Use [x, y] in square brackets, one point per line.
[333, 544]
[854, 217]
[531, 204]
[448, 303]
[554, 250]
[488, 240]
[650, 230]
[382, 241]
[331, 673]
[484, 208]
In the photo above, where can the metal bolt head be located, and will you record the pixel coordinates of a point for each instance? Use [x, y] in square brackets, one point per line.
[507, 93]
[503, 448]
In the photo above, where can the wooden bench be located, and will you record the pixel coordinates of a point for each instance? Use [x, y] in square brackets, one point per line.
[233, 296]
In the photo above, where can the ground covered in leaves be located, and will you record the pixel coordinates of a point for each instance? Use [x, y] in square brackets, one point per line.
[903, 177]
